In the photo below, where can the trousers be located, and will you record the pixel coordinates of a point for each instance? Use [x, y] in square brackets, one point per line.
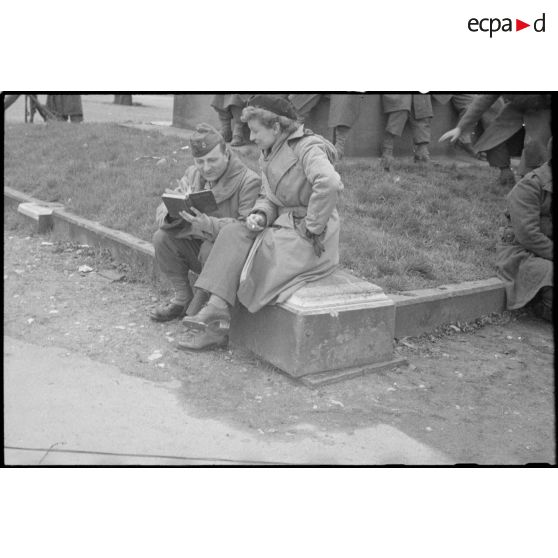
[177, 256]
[221, 272]
[420, 127]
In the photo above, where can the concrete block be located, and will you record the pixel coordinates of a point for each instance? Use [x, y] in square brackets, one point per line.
[41, 215]
[336, 323]
[422, 311]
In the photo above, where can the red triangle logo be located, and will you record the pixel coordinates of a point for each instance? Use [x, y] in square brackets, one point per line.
[519, 25]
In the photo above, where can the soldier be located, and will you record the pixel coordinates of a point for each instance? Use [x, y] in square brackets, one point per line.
[460, 103]
[520, 114]
[229, 108]
[417, 110]
[66, 106]
[525, 255]
[344, 111]
[184, 244]
[292, 234]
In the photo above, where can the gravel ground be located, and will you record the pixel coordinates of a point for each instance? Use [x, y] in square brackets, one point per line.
[483, 395]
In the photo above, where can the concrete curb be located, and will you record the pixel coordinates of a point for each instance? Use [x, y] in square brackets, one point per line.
[422, 311]
[124, 247]
[416, 312]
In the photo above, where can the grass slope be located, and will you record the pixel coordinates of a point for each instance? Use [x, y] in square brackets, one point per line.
[412, 228]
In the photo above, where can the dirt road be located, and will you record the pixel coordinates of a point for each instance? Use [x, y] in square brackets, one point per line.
[484, 397]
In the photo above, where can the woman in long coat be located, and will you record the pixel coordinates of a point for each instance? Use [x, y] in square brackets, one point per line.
[525, 255]
[292, 235]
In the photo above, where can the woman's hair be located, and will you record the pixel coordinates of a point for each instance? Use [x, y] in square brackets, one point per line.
[268, 119]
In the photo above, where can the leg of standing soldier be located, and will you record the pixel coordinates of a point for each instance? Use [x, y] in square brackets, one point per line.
[421, 138]
[394, 128]
[225, 120]
[499, 157]
[237, 126]
[341, 133]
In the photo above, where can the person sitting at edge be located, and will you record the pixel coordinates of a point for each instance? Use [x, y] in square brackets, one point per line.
[292, 234]
[525, 254]
[183, 244]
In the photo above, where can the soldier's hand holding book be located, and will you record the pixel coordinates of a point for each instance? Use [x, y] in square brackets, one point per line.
[197, 219]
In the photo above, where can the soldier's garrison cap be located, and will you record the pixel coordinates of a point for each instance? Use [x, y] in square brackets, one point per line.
[204, 139]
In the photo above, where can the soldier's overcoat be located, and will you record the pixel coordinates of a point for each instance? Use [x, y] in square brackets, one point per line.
[235, 193]
[66, 105]
[531, 111]
[344, 110]
[525, 254]
[419, 105]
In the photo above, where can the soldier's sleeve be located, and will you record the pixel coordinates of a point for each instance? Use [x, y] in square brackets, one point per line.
[161, 214]
[247, 196]
[475, 111]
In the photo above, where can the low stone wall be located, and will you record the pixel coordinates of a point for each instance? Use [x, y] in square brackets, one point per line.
[416, 312]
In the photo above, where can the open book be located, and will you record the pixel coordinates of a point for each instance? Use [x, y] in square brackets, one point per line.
[176, 202]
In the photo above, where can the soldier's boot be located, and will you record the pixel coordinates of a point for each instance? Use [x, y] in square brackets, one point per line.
[237, 135]
[422, 155]
[387, 152]
[341, 133]
[507, 177]
[226, 128]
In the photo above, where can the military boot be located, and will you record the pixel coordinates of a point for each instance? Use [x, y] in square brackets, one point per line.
[341, 133]
[237, 134]
[387, 152]
[226, 129]
[422, 154]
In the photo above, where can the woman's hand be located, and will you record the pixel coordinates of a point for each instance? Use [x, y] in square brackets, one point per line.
[452, 135]
[256, 222]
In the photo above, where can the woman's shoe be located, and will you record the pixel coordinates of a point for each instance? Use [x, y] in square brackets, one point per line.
[210, 316]
[203, 341]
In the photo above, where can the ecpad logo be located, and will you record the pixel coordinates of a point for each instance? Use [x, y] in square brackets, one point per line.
[494, 24]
